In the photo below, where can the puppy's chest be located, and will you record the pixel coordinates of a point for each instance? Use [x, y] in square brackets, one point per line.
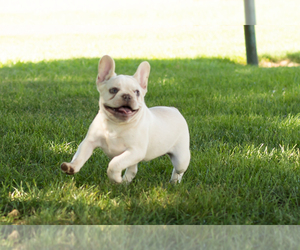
[112, 145]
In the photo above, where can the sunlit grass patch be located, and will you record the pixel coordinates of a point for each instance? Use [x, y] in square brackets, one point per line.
[61, 148]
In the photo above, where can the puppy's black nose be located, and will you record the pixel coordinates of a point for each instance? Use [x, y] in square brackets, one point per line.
[126, 97]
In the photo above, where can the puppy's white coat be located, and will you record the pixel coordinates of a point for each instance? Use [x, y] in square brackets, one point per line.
[129, 132]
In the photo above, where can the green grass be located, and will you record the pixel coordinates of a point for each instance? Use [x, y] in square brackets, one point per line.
[245, 136]
[244, 121]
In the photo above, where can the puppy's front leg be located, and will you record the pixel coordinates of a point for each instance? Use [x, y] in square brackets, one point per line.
[83, 153]
[129, 159]
[130, 173]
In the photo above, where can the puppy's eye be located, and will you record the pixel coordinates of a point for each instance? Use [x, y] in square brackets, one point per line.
[137, 92]
[113, 90]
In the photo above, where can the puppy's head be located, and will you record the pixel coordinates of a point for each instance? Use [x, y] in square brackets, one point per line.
[121, 96]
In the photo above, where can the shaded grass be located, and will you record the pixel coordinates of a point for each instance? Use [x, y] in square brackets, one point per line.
[244, 126]
[293, 57]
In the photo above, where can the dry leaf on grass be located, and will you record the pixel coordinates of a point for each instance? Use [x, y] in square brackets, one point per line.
[14, 235]
[14, 213]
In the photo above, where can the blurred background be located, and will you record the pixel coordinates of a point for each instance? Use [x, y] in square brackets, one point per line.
[33, 30]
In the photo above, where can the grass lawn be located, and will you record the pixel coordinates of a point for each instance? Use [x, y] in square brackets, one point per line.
[244, 126]
[244, 121]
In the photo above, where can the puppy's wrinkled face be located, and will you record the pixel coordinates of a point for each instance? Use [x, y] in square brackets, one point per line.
[121, 97]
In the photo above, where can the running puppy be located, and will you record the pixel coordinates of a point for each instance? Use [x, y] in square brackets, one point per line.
[128, 131]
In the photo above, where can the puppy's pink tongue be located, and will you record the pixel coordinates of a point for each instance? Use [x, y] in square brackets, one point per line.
[124, 110]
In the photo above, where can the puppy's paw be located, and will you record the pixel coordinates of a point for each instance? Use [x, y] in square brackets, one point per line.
[114, 176]
[173, 182]
[176, 178]
[66, 167]
[128, 177]
[125, 181]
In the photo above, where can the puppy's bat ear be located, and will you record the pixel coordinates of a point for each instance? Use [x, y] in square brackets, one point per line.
[142, 75]
[106, 69]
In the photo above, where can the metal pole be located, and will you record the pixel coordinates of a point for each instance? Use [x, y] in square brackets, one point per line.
[249, 30]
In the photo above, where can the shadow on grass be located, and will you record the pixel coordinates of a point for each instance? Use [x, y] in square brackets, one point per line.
[294, 57]
[291, 57]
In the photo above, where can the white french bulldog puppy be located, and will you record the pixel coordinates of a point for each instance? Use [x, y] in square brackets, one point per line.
[129, 132]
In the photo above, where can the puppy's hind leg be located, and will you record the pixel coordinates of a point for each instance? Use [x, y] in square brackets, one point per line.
[180, 166]
[180, 158]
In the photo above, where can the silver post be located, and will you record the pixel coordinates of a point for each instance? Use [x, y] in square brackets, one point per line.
[249, 30]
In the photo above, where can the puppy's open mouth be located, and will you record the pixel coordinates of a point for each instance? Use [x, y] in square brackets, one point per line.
[122, 111]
